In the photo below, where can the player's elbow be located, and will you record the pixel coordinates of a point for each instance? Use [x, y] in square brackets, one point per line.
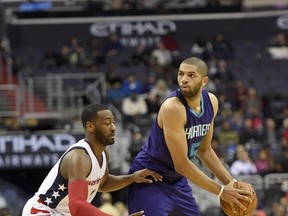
[181, 167]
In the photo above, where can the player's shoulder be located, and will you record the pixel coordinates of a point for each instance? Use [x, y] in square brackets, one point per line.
[214, 102]
[171, 104]
[213, 97]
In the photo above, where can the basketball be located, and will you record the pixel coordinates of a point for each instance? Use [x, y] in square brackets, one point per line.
[250, 207]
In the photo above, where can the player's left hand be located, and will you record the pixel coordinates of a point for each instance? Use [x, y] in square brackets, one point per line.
[140, 176]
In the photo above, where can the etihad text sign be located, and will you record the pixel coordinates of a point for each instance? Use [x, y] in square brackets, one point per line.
[33, 151]
[134, 33]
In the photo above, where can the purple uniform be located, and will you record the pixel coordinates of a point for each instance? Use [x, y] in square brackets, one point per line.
[172, 196]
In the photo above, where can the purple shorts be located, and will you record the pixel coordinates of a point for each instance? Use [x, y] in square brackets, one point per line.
[162, 198]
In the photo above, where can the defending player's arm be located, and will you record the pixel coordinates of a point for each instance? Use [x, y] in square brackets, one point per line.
[75, 167]
[111, 182]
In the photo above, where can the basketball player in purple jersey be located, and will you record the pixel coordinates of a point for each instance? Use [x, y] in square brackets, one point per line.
[182, 130]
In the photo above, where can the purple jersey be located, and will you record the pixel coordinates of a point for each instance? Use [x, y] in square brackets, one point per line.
[155, 154]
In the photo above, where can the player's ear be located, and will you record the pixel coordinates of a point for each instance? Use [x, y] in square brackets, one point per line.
[89, 125]
[205, 81]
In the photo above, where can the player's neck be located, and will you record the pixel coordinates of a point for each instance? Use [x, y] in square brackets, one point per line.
[195, 104]
[97, 149]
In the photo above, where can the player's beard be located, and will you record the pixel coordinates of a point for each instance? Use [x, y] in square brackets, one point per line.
[193, 92]
[102, 138]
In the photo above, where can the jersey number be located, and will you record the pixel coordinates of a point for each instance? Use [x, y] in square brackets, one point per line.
[193, 150]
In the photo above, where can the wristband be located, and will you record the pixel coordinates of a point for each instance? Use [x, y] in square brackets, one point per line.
[221, 191]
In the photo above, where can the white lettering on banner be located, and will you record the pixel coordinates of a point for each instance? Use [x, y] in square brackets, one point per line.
[33, 143]
[133, 41]
[282, 22]
[133, 28]
[3, 141]
[134, 33]
[28, 160]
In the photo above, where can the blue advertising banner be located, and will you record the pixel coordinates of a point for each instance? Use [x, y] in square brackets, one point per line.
[33, 151]
[47, 33]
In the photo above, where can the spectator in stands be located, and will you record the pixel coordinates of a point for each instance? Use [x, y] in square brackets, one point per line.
[243, 165]
[3, 126]
[222, 48]
[141, 55]
[50, 59]
[270, 134]
[13, 124]
[131, 84]
[170, 42]
[95, 52]
[134, 106]
[160, 59]
[107, 205]
[116, 5]
[281, 157]
[223, 75]
[236, 121]
[4, 209]
[226, 136]
[202, 47]
[149, 4]
[73, 53]
[284, 129]
[149, 83]
[264, 161]
[114, 84]
[248, 134]
[278, 40]
[279, 208]
[157, 95]
[278, 46]
[257, 122]
[240, 94]
[225, 107]
[113, 46]
[252, 102]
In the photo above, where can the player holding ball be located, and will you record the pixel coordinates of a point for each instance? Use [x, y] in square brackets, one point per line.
[182, 131]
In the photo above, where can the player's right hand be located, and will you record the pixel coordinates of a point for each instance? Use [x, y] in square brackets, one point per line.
[232, 196]
[140, 213]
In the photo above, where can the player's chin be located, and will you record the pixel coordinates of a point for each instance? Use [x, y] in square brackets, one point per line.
[111, 141]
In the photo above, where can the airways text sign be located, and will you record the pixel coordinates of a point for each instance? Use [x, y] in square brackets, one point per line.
[33, 151]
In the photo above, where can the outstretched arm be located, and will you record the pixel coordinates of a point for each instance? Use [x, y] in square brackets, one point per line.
[112, 182]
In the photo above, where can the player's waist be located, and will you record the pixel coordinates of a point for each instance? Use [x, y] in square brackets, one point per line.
[170, 176]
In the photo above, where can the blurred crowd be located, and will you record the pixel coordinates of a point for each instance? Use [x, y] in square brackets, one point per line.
[247, 136]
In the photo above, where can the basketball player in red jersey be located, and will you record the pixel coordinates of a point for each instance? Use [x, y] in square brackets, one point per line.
[82, 170]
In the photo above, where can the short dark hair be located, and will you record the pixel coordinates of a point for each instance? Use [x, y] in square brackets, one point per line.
[90, 112]
[202, 67]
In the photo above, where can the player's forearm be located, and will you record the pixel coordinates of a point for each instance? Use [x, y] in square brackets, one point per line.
[213, 163]
[78, 205]
[195, 175]
[114, 183]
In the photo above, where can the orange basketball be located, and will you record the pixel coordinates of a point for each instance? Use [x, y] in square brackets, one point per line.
[250, 207]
